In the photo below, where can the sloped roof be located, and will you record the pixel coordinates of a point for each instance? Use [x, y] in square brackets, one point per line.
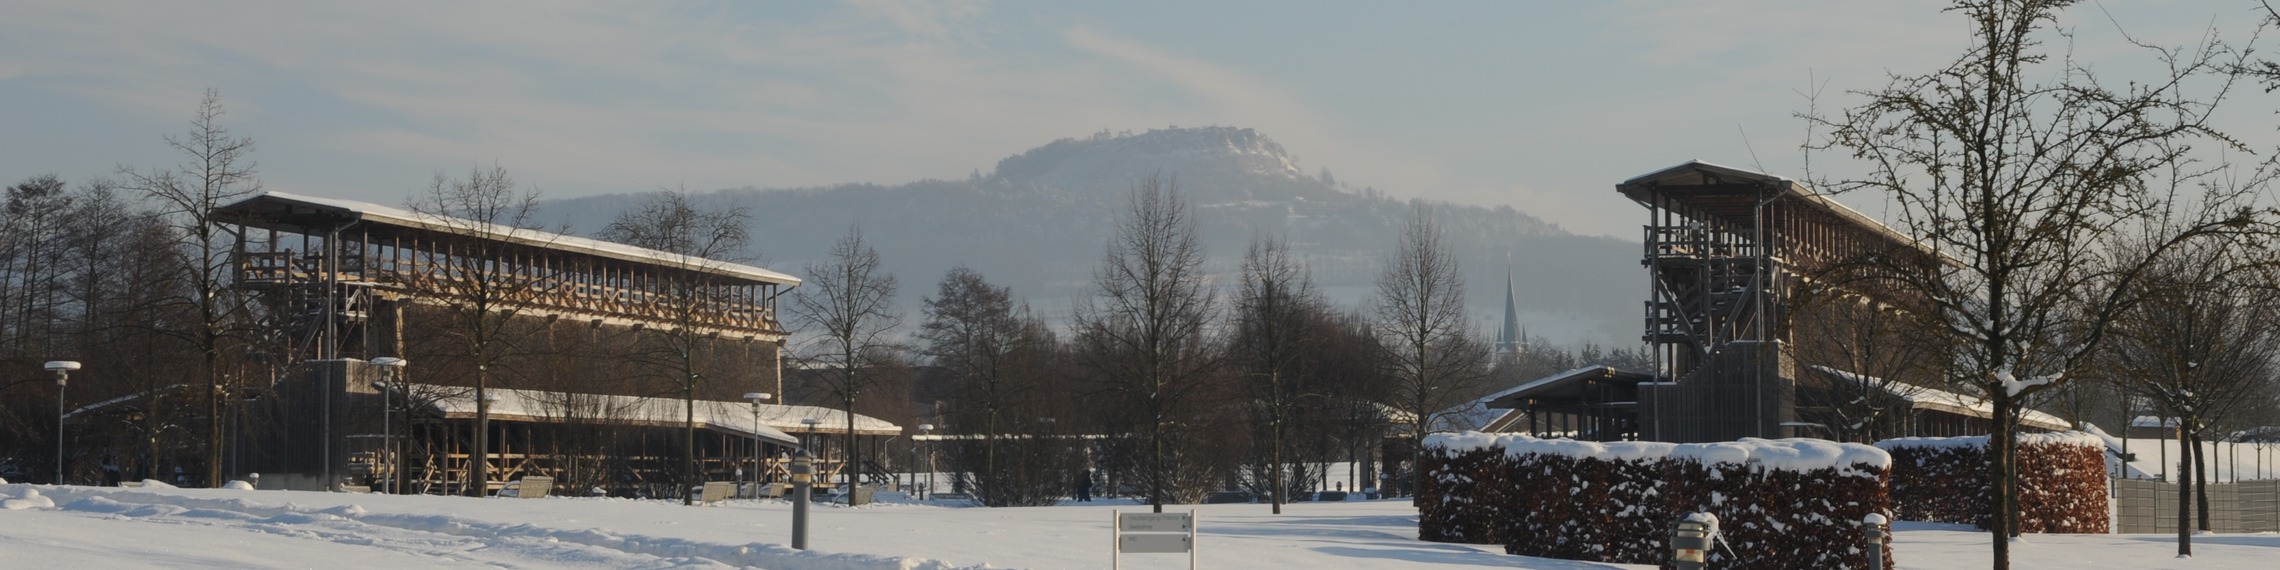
[1925, 398]
[1733, 194]
[1517, 396]
[777, 422]
[296, 213]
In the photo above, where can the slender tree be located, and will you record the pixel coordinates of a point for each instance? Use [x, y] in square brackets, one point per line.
[1277, 313]
[1144, 330]
[217, 169]
[703, 237]
[489, 211]
[996, 353]
[848, 301]
[1436, 361]
[2200, 343]
[2024, 172]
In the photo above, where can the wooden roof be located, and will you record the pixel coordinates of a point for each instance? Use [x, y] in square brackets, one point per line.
[316, 216]
[1733, 195]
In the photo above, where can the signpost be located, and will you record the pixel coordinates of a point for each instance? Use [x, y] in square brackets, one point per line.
[1153, 533]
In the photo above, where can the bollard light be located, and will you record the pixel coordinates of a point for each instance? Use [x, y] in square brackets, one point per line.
[803, 472]
[1875, 531]
[1690, 541]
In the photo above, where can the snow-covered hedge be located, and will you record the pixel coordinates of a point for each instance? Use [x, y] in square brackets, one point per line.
[1792, 503]
[2062, 481]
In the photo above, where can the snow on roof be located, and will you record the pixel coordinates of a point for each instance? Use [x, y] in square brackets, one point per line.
[1936, 399]
[535, 238]
[729, 416]
[2054, 438]
[1774, 454]
[2153, 422]
[1600, 370]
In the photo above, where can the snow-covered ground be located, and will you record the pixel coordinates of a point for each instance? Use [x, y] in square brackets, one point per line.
[89, 527]
[2227, 461]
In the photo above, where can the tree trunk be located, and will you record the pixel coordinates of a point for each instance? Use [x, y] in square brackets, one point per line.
[1276, 441]
[2201, 477]
[2001, 442]
[1156, 465]
[688, 438]
[2184, 495]
[479, 473]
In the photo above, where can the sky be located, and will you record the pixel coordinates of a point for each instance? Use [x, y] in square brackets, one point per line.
[1540, 105]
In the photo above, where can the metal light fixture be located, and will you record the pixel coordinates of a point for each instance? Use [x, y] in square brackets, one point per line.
[62, 370]
[756, 398]
[389, 367]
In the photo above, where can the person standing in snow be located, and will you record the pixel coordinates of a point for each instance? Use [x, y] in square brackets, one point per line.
[1084, 485]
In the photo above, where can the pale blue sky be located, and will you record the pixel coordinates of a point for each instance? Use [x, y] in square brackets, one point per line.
[1543, 106]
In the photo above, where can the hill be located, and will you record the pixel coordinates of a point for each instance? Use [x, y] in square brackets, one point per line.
[1040, 220]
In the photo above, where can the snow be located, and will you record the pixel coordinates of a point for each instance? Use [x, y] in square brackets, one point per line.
[89, 527]
[725, 415]
[1779, 454]
[1923, 397]
[2058, 438]
[549, 240]
[2012, 385]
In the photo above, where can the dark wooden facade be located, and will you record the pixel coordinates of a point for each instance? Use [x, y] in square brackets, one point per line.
[337, 283]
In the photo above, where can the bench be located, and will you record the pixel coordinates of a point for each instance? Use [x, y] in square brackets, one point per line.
[533, 487]
[716, 491]
[774, 490]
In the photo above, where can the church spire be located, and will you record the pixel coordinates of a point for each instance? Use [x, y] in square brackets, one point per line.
[1508, 339]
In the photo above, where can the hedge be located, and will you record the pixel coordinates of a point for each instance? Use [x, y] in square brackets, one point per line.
[1784, 503]
[2062, 481]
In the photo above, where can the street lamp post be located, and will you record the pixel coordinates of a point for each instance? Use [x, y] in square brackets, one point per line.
[926, 429]
[805, 441]
[755, 397]
[389, 366]
[62, 370]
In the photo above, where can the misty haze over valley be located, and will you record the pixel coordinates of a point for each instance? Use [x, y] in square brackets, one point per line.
[1039, 221]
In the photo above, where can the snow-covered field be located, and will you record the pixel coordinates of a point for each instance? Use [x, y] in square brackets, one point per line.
[90, 527]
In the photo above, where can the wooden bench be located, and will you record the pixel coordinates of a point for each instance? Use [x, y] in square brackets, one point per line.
[533, 487]
[716, 491]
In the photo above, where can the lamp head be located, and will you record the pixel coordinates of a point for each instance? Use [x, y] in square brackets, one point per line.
[925, 427]
[62, 365]
[755, 397]
[390, 361]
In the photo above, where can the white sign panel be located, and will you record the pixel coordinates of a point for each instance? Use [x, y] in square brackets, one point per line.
[1153, 522]
[1152, 543]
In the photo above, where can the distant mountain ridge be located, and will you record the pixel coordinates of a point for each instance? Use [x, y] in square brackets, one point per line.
[1041, 219]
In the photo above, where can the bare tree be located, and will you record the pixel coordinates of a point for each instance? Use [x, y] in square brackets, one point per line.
[2026, 187]
[485, 211]
[849, 302]
[1277, 314]
[998, 355]
[218, 169]
[1436, 361]
[1145, 328]
[703, 237]
[2200, 343]
[1873, 359]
